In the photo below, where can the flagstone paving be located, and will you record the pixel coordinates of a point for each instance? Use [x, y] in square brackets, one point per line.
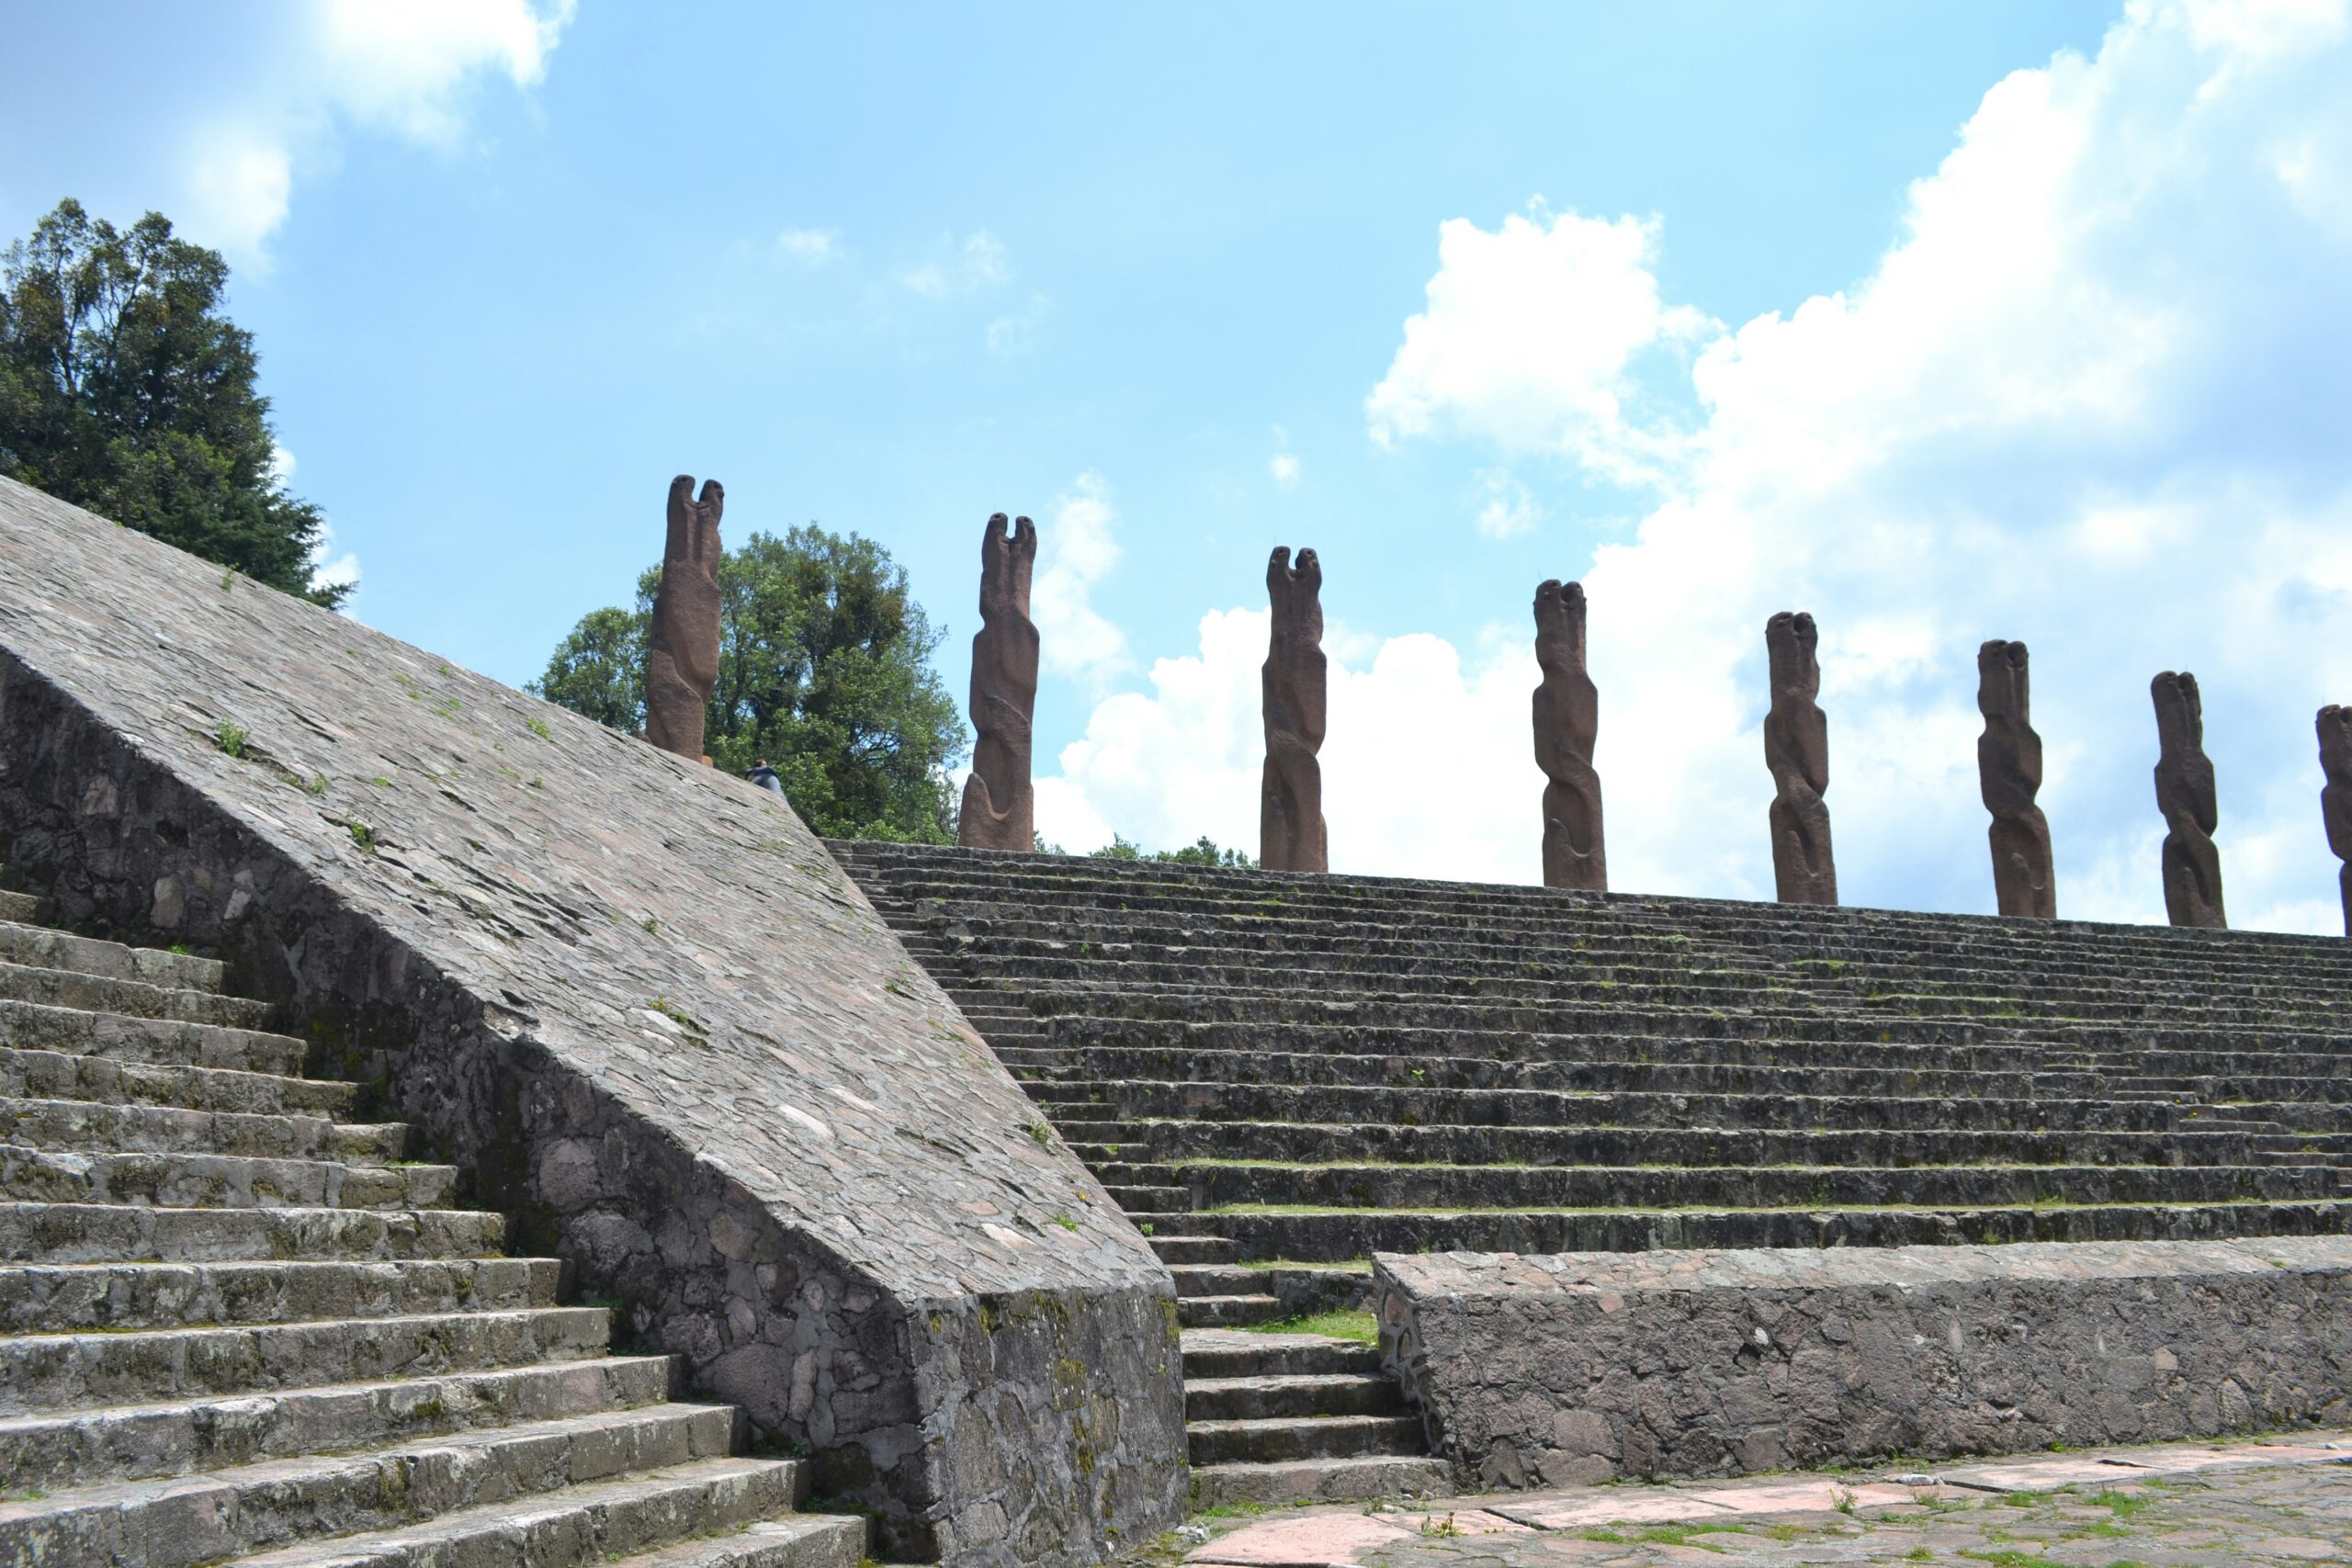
[2277, 1501]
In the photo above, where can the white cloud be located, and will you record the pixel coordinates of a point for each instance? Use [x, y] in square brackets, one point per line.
[980, 262]
[2093, 395]
[1530, 340]
[1017, 333]
[402, 68]
[1284, 467]
[810, 248]
[1079, 546]
[1509, 511]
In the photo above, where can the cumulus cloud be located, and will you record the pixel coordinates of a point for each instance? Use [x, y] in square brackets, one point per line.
[403, 68]
[1531, 338]
[810, 248]
[1017, 333]
[1078, 547]
[1284, 467]
[978, 263]
[1508, 508]
[2093, 395]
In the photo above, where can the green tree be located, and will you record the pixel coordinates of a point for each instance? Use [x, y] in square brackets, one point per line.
[824, 669]
[1203, 851]
[125, 389]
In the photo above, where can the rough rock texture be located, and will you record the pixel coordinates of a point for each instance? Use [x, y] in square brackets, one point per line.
[2192, 866]
[1289, 800]
[1568, 717]
[1796, 748]
[2009, 768]
[999, 807]
[1584, 1366]
[682, 648]
[2336, 797]
[635, 1001]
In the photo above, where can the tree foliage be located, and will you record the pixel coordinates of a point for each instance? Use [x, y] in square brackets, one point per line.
[824, 669]
[1203, 851]
[125, 389]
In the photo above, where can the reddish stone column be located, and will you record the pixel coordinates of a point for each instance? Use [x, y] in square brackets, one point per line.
[2008, 769]
[1796, 748]
[1000, 805]
[682, 651]
[1567, 718]
[1290, 796]
[2336, 799]
[2185, 794]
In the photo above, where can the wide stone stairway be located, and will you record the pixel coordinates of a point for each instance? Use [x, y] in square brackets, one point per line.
[1277, 1074]
[237, 1326]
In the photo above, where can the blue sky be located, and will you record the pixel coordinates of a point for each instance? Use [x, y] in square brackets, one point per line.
[1944, 322]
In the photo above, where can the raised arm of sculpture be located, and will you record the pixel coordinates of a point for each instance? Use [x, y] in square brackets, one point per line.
[682, 646]
[1796, 748]
[2192, 866]
[1290, 797]
[2336, 798]
[1568, 717]
[999, 807]
[2009, 768]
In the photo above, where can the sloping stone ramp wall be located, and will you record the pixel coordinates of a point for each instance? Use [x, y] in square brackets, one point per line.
[638, 1006]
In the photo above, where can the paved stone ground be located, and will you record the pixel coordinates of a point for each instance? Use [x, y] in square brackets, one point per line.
[2286, 1500]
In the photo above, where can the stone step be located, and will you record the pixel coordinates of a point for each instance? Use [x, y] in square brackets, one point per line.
[53, 1075]
[1339, 1236]
[133, 998]
[40, 947]
[1327, 1436]
[23, 908]
[1185, 1249]
[1212, 1187]
[60, 1371]
[82, 1124]
[1292, 1396]
[1212, 1279]
[218, 1181]
[121, 1037]
[1137, 1201]
[806, 1541]
[85, 1445]
[1293, 1482]
[104, 1232]
[112, 1297]
[1226, 1312]
[1213, 1353]
[522, 1472]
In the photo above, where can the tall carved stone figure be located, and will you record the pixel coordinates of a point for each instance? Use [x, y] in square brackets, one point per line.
[2185, 794]
[999, 810]
[1796, 748]
[1568, 717]
[2008, 769]
[2336, 799]
[1290, 798]
[682, 651]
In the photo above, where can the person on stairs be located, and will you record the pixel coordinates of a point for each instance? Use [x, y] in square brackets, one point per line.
[764, 776]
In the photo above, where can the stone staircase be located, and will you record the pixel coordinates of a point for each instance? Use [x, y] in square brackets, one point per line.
[237, 1326]
[1277, 1074]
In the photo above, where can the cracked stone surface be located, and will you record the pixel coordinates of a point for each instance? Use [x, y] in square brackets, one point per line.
[636, 1005]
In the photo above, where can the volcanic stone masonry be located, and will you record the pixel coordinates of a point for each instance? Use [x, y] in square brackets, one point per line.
[1796, 748]
[1290, 799]
[2335, 798]
[999, 807]
[1588, 1367]
[633, 1000]
[1567, 718]
[682, 649]
[2192, 866]
[2009, 767]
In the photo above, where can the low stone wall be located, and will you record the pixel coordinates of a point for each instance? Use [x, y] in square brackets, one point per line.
[635, 1002]
[1585, 1367]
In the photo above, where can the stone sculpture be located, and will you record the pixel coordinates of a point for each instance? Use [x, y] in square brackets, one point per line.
[2185, 794]
[1290, 798]
[682, 649]
[999, 810]
[1796, 748]
[2008, 769]
[2336, 799]
[1568, 716]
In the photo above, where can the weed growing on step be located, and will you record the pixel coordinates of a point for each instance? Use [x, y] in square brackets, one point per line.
[362, 835]
[1359, 1326]
[229, 738]
[538, 726]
